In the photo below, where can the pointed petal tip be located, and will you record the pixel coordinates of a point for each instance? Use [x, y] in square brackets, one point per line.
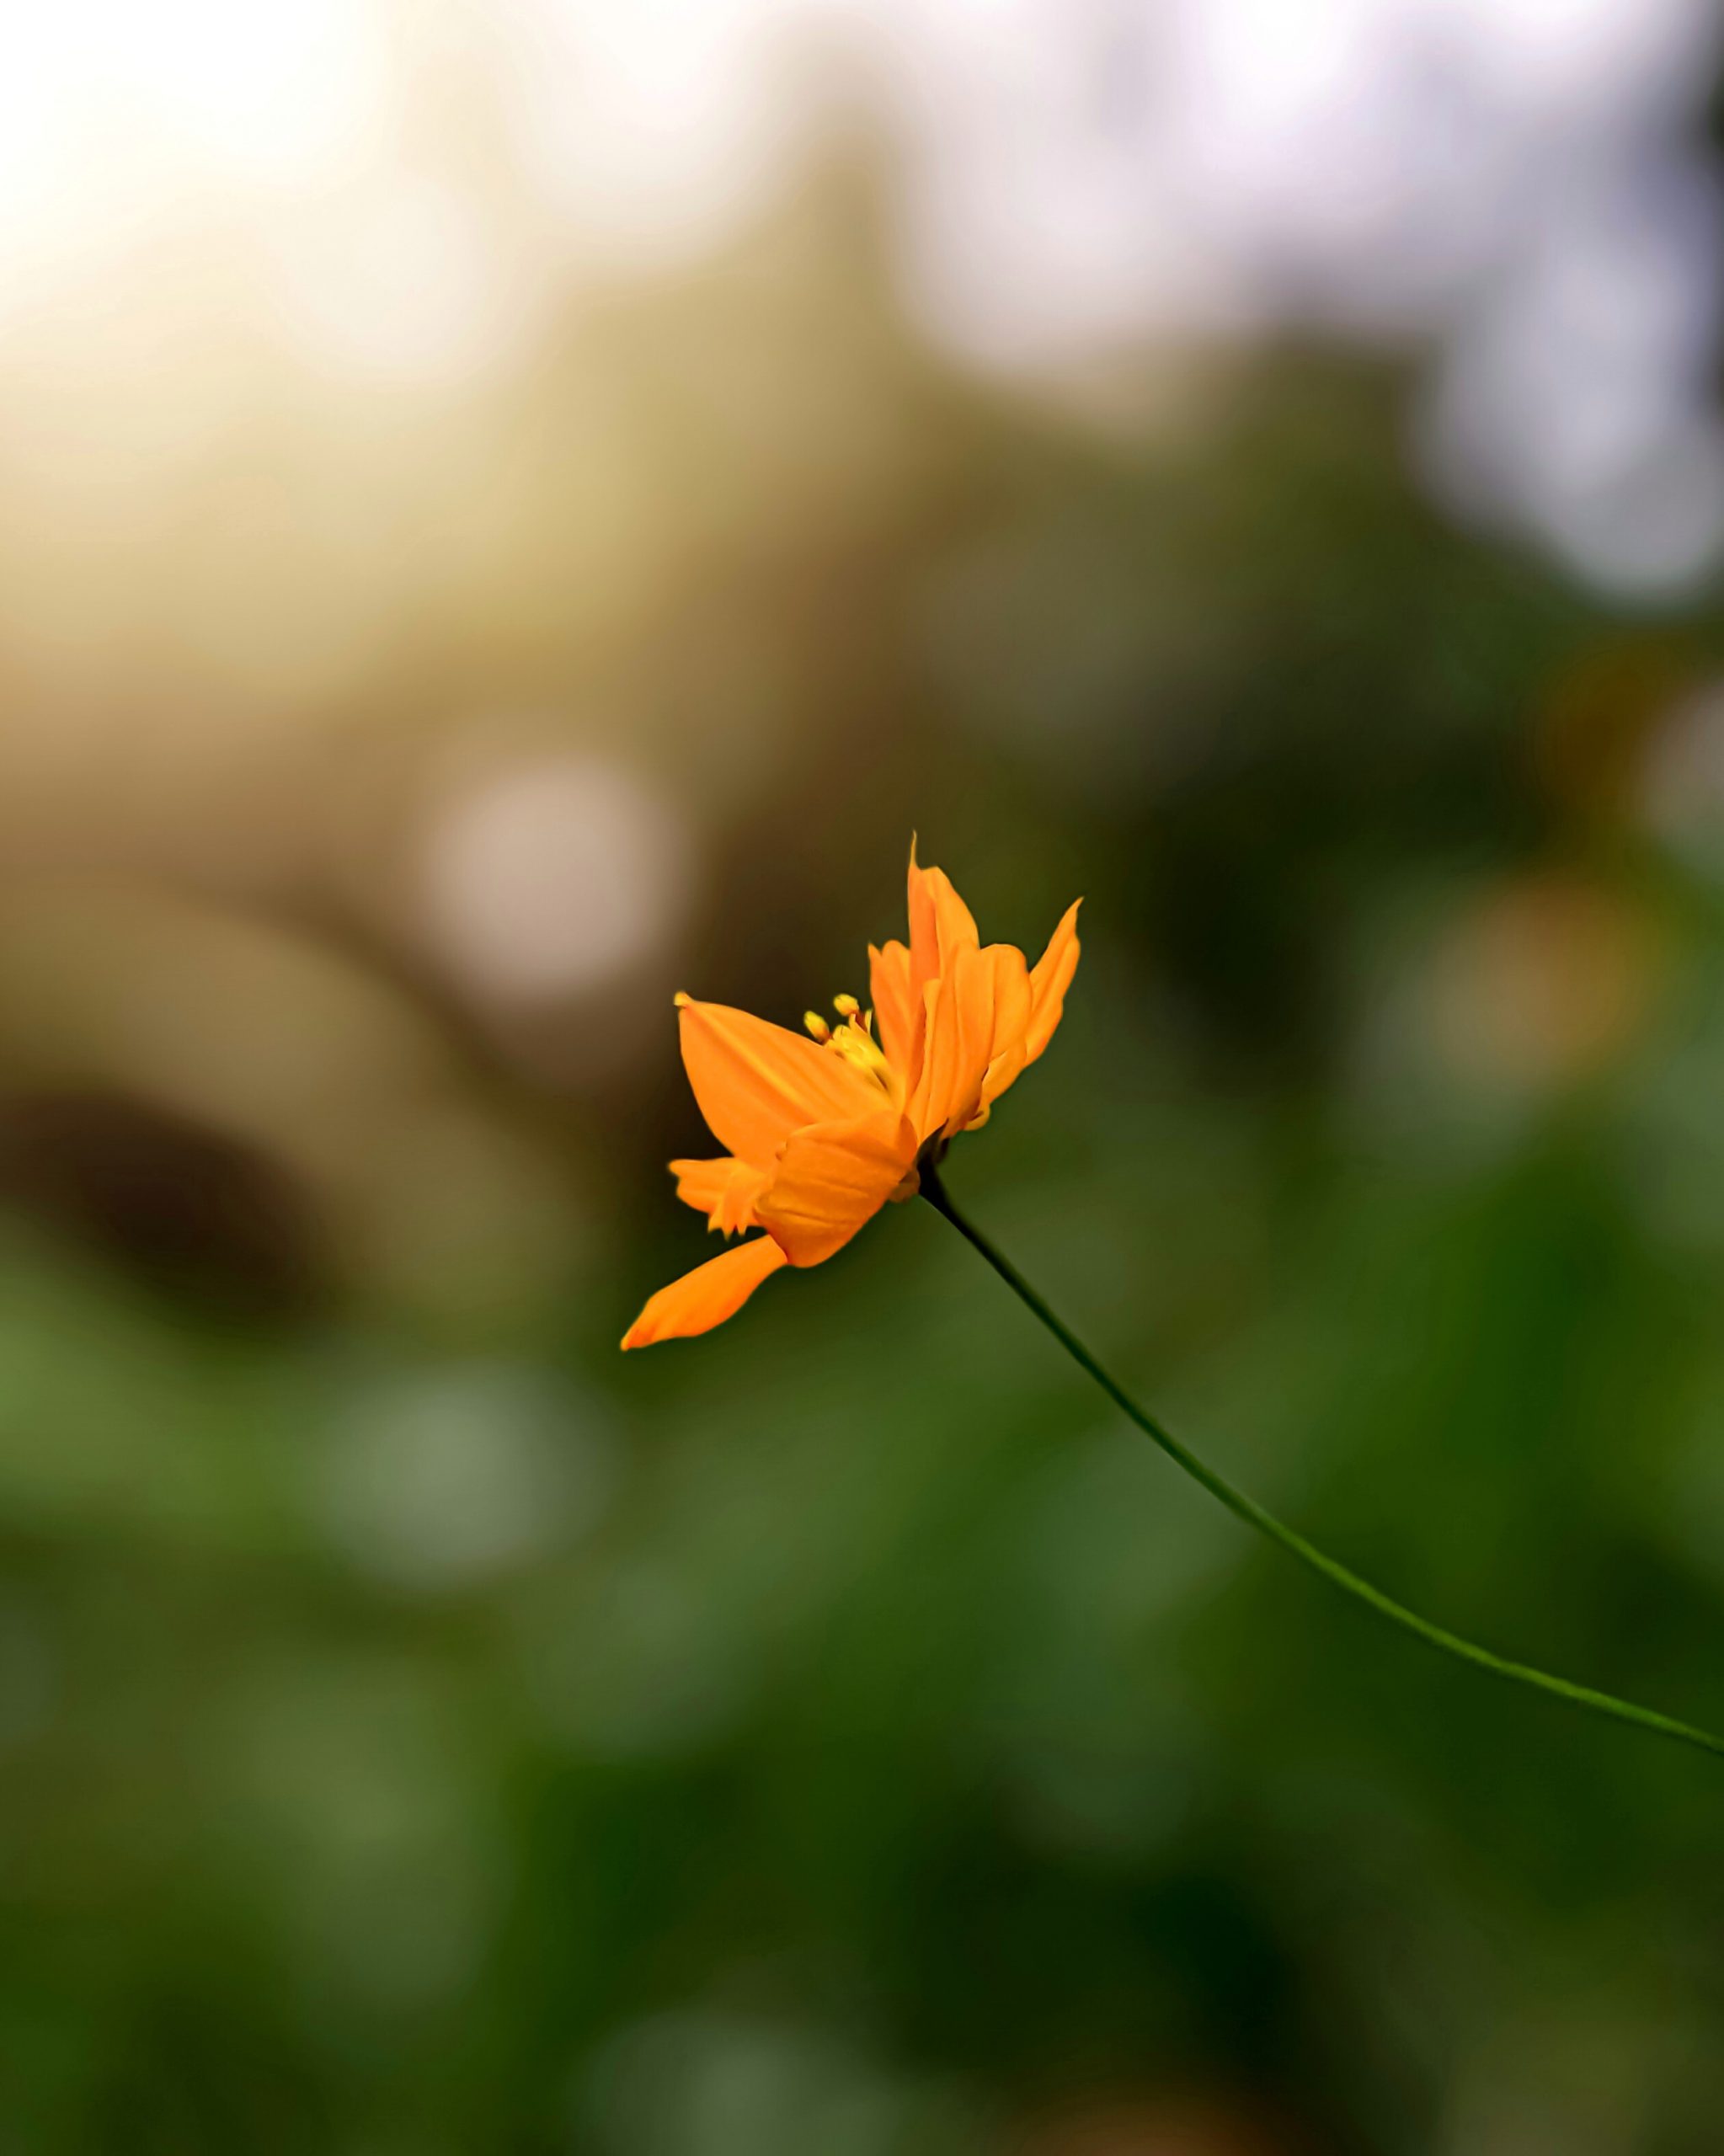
[706, 1297]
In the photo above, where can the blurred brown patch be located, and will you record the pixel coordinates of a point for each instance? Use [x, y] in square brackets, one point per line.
[187, 1211]
[1596, 716]
[1151, 2127]
[1544, 981]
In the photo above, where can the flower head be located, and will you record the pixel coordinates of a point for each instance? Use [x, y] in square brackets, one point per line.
[823, 1128]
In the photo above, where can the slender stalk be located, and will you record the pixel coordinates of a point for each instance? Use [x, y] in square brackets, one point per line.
[1254, 1515]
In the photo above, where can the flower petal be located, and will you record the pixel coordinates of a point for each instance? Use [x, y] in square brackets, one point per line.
[941, 924]
[757, 1082]
[832, 1179]
[898, 1010]
[959, 1038]
[708, 1295]
[1013, 1007]
[724, 1190]
[1049, 978]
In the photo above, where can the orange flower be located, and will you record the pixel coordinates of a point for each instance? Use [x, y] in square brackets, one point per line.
[824, 1128]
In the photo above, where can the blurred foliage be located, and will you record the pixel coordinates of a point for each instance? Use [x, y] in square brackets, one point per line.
[423, 1732]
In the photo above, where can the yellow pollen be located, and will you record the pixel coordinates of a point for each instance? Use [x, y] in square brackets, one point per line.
[679, 998]
[846, 1007]
[817, 1025]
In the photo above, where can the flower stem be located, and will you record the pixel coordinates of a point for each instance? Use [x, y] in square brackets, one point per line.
[1254, 1515]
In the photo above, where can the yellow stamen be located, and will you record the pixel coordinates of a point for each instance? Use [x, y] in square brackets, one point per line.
[858, 1046]
[846, 1007]
[817, 1025]
[679, 998]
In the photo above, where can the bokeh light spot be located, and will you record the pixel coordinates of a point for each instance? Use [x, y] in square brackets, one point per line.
[552, 879]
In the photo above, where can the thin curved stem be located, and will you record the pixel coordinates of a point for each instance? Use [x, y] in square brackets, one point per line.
[1254, 1515]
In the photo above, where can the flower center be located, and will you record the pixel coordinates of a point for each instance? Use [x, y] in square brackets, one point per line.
[852, 1038]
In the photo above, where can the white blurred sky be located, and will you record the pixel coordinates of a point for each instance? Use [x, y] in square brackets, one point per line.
[1519, 184]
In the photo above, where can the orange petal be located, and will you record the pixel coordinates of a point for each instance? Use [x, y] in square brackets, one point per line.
[941, 924]
[702, 1184]
[1049, 978]
[756, 1082]
[834, 1178]
[706, 1297]
[724, 1190]
[898, 1009]
[960, 1036]
[1014, 1006]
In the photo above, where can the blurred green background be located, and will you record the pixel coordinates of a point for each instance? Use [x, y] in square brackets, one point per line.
[448, 605]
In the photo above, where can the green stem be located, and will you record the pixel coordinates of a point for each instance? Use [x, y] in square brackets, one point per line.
[1254, 1515]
